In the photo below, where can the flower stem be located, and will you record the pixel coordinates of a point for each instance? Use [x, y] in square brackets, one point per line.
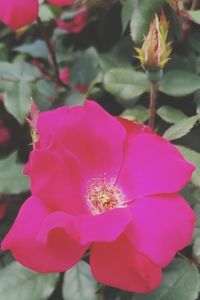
[152, 107]
[51, 52]
[195, 4]
[189, 260]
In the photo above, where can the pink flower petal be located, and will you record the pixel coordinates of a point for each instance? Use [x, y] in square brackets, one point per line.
[56, 178]
[57, 254]
[88, 228]
[62, 2]
[120, 265]
[105, 227]
[76, 24]
[134, 127]
[152, 165]
[162, 225]
[90, 133]
[18, 13]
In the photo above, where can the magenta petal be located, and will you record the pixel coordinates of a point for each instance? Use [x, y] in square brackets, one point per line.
[105, 227]
[90, 133]
[61, 2]
[152, 165]
[55, 176]
[58, 253]
[161, 226]
[134, 128]
[88, 228]
[120, 265]
[18, 13]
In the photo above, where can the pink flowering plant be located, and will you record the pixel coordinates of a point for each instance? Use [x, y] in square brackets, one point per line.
[99, 150]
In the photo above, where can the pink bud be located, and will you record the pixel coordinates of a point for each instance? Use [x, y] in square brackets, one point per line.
[18, 13]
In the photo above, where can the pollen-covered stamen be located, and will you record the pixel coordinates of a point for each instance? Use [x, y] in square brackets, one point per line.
[103, 195]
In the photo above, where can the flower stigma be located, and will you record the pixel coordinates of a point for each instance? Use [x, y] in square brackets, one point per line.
[103, 195]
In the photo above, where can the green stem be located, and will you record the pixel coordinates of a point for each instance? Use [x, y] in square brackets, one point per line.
[152, 106]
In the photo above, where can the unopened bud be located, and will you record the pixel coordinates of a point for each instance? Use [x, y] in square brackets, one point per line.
[155, 51]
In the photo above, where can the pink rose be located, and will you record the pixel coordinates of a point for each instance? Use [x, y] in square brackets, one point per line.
[107, 184]
[76, 24]
[62, 2]
[18, 13]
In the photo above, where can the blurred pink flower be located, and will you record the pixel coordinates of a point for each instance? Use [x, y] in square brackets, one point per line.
[2, 210]
[64, 75]
[62, 2]
[18, 13]
[76, 24]
[4, 134]
[107, 184]
[82, 88]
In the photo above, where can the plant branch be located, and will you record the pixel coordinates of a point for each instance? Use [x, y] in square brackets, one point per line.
[195, 4]
[189, 260]
[152, 106]
[51, 52]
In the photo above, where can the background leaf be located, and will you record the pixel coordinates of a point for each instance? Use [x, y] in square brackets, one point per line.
[194, 15]
[17, 282]
[193, 157]
[181, 280]
[127, 11]
[138, 113]
[79, 283]
[181, 128]
[125, 84]
[12, 181]
[36, 49]
[170, 114]
[18, 100]
[179, 83]
[143, 14]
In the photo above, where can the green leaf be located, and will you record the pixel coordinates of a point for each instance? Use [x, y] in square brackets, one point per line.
[194, 41]
[46, 88]
[79, 283]
[170, 114]
[18, 71]
[138, 113]
[196, 248]
[12, 181]
[17, 100]
[181, 281]
[17, 282]
[46, 13]
[193, 157]
[127, 11]
[143, 14]
[35, 49]
[194, 15]
[44, 93]
[181, 128]
[125, 84]
[86, 67]
[74, 98]
[179, 83]
[119, 56]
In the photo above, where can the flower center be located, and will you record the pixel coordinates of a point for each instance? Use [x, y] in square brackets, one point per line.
[103, 195]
